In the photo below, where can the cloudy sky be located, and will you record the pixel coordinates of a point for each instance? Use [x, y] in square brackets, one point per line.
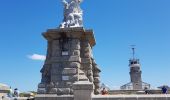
[117, 25]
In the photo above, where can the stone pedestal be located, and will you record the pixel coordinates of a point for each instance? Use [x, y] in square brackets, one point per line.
[68, 60]
[83, 90]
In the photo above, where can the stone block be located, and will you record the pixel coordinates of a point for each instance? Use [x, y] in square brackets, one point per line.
[87, 55]
[75, 65]
[57, 59]
[83, 78]
[64, 53]
[83, 85]
[69, 71]
[65, 78]
[70, 78]
[96, 74]
[91, 79]
[87, 66]
[74, 59]
[74, 78]
[89, 73]
[56, 78]
[41, 85]
[53, 91]
[87, 49]
[55, 48]
[63, 91]
[85, 43]
[86, 60]
[75, 47]
[76, 53]
[96, 79]
[41, 91]
[97, 91]
[56, 68]
[75, 42]
[65, 59]
[69, 84]
[83, 90]
[56, 53]
[97, 85]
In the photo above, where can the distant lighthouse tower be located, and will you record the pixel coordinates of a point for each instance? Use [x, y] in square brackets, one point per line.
[135, 75]
[135, 72]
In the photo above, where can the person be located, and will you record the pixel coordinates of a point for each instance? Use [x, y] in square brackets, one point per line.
[10, 93]
[16, 92]
[164, 90]
[3, 97]
[146, 90]
[104, 91]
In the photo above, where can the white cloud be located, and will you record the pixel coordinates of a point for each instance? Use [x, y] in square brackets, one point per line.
[37, 57]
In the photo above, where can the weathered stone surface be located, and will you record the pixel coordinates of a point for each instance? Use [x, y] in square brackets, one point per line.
[86, 60]
[97, 85]
[56, 77]
[74, 59]
[53, 91]
[89, 73]
[96, 79]
[41, 85]
[82, 90]
[83, 78]
[96, 74]
[41, 90]
[75, 44]
[69, 71]
[65, 78]
[87, 55]
[53, 97]
[131, 97]
[65, 59]
[56, 68]
[63, 91]
[91, 79]
[69, 59]
[75, 65]
[74, 78]
[76, 53]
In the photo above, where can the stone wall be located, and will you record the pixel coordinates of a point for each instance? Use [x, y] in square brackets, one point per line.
[132, 97]
[107, 97]
[115, 92]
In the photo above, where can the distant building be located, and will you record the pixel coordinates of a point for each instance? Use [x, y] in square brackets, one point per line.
[4, 89]
[135, 76]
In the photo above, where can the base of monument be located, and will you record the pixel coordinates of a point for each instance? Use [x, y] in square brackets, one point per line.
[53, 97]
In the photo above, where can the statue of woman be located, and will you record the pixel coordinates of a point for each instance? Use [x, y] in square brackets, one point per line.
[72, 14]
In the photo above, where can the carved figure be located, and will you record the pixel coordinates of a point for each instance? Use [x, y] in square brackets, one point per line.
[72, 14]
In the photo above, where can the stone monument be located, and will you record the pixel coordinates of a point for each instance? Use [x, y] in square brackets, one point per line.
[69, 55]
[72, 14]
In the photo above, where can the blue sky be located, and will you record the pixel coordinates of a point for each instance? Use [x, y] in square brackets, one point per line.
[117, 25]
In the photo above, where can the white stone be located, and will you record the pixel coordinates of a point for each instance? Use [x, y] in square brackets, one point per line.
[65, 78]
[72, 14]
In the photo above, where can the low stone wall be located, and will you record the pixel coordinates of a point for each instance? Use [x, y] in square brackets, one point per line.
[107, 97]
[114, 92]
[132, 97]
[53, 97]
[84, 91]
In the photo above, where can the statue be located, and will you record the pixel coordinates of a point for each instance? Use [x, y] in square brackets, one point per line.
[72, 14]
